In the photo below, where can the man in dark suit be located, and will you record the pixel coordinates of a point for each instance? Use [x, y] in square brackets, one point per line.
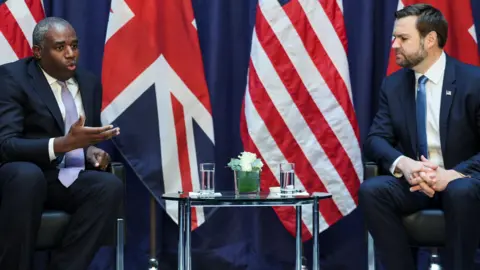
[49, 122]
[426, 133]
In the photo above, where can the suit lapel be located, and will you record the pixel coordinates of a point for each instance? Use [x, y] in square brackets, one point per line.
[44, 90]
[448, 93]
[409, 106]
[86, 89]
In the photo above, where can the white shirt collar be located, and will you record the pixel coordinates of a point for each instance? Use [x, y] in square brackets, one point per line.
[435, 72]
[52, 80]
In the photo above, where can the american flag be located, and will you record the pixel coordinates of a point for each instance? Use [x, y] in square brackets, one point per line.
[462, 37]
[155, 90]
[18, 18]
[298, 105]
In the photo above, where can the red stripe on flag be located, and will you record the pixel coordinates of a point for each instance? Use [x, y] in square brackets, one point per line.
[335, 15]
[13, 33]
[183, 52]
[288, 145]
[36, 9]
[164, 29]
[307, 107]
[132, 63]
[286, 214]
[181, 132]
[322, 61]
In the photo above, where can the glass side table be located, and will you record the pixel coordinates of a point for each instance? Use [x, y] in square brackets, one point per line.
[229, 199]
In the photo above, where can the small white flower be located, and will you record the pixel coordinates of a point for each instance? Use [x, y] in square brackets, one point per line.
[248, 157]
[246, 166]
[257, 164]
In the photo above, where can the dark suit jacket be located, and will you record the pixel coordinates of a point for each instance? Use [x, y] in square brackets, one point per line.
[29, 113]
[393, 131]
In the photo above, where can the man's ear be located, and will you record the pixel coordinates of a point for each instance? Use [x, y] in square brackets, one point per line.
[37, 52]
[431, 39]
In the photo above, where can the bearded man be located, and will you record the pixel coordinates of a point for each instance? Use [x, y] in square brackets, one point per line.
[426, 137]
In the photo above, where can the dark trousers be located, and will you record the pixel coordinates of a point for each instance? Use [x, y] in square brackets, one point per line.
[384, 200]
[25, 190]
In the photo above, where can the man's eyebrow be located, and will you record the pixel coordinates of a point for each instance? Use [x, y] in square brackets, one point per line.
[401, 35]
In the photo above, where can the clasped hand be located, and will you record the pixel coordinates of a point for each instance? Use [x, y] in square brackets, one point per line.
[425, 176]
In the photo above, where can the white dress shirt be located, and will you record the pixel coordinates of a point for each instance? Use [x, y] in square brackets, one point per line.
[72, 86]
[433, 93]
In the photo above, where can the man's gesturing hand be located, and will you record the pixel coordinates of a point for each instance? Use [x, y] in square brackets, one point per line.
[80, 136]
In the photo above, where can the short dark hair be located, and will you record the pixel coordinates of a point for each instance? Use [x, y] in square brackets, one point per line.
[429, 19]
[42, 27]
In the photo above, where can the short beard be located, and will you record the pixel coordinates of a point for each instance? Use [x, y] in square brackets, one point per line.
[411, 61]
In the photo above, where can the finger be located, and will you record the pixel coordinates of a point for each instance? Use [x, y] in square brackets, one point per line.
[427, 189]
[412, 178]
[106, 135]
[429, 194]
[94, 159]
[97, 130]
[101, 159]
[415, 180]
[105, 160]
[415, 188]
[425, 178]
[100, 137]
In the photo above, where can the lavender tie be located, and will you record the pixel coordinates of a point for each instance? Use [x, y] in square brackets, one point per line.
[75, 159]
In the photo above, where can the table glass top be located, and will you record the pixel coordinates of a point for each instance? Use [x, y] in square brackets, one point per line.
[231, 196]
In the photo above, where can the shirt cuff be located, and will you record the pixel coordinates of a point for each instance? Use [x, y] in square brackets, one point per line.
[394, 166]
[51, 151]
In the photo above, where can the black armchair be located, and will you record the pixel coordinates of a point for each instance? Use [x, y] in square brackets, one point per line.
[425, 228]
[54, 224]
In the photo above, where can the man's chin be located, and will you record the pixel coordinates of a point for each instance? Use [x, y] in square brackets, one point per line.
[67, 74]
[402, 63]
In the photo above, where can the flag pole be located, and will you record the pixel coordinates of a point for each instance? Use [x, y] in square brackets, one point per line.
[304, 260]
[153, 263]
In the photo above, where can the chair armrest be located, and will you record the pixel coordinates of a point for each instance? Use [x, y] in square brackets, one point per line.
[118, 170]
[371, 169]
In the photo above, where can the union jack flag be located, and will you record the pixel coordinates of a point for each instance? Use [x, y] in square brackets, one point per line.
[155, 89]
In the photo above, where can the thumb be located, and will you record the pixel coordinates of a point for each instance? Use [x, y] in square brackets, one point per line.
[429, 163]
[95, 160]
[80, 122]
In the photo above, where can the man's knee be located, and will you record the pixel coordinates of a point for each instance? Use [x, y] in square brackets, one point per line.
[109, 188]
[372, 188]
[462, 189]
[24, 179]
[113, 186]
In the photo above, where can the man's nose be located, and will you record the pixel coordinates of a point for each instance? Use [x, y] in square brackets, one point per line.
[395, 44]
[69, 52]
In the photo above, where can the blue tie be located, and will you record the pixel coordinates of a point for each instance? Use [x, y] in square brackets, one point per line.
[422, 118]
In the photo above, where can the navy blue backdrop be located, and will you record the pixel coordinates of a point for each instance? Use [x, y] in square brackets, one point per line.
[241, 238]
